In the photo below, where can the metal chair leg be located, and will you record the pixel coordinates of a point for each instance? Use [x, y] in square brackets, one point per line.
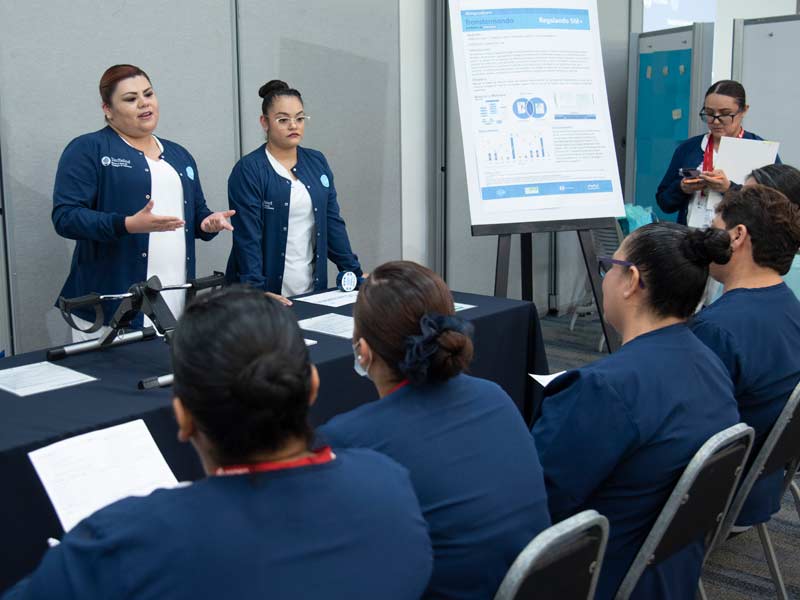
[772, 561]
[701, 591]
[796, 495]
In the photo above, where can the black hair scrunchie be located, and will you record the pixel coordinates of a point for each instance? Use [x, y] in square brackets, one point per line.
[420, 349]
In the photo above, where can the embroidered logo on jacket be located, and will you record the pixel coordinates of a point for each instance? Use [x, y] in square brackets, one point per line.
[325, 181]
[190, 172]
[267, 205]
[107, 161]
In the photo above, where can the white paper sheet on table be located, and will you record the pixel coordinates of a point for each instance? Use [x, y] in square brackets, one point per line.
[459, 306]
[544, 380]
[39, 377]
[87, 472]
[333, 298]
[330, 324]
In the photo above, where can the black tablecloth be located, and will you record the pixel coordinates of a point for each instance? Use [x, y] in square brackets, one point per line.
[508, 345]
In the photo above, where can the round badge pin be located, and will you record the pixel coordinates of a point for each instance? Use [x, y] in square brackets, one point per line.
[349, 281]
[324, 180]
[190, 172]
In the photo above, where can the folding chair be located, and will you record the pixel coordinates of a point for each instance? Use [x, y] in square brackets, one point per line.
[698, 503]
[781, 450]
[561, 563]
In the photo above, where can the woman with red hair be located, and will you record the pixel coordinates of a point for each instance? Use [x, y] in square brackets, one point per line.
[132, 202]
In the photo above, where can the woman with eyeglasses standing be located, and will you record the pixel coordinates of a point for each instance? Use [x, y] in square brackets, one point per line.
[615, 435]
[692, 185]
[287, 221]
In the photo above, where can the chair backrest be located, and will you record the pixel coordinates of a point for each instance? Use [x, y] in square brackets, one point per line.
[561, 563]
[781, 450]
[697, 505]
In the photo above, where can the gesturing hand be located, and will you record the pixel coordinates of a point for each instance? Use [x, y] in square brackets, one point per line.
[145, 221]
[217, 221]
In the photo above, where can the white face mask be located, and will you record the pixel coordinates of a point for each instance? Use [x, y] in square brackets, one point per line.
[357, 365]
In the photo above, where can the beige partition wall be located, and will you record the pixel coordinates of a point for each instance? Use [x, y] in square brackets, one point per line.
[343, 56]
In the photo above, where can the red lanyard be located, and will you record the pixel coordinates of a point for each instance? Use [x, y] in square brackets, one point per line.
[708, 155]
[402, 384]
[321, 456]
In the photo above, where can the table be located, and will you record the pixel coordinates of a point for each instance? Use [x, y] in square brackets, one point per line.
[508, 345]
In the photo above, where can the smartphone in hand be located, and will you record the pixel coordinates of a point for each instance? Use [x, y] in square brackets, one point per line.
[689, 173]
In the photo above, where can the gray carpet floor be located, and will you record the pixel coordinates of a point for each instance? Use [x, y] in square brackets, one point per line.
[737, 569]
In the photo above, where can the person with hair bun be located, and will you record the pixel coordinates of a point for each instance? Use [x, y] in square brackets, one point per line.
[786, 180]
[132, 201]
[755, 326]
[694, 196]
[616, 435]
[274, 518]
[472, 462]
[287, 216]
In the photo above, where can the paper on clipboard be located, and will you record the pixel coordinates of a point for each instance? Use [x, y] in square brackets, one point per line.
[738, 156]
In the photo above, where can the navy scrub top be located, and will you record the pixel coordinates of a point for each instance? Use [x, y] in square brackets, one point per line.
[101, 180]
[756, 333]
[345, 529]
[260, 198]
[474, 468]
[616, 435]
[688, 154]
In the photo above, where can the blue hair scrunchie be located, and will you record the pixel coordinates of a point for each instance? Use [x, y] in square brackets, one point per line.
[420, 349]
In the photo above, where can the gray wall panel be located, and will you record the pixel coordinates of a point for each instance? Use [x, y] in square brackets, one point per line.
[51, 57]
[344, 58]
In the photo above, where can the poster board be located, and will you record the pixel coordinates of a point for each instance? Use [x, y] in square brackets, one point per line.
[534, 116]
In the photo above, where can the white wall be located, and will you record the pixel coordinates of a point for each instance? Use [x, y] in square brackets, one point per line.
[727, 11]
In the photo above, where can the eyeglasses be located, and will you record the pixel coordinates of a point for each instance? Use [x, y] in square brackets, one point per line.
[723, 119]
[606, 263]
[284, 121]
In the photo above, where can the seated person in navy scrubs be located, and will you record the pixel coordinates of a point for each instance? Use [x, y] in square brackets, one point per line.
[472, 461]
[274, 519]
[755, 326]
[616, 435]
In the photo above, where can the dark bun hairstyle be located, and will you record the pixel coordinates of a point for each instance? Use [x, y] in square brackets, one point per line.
[272, 89]
[702, 247]
[405, 313]
[242, 370]
[729, 87]
[673, 263]
[772, 222]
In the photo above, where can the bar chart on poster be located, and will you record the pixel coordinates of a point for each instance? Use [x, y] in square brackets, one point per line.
[534, 114]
